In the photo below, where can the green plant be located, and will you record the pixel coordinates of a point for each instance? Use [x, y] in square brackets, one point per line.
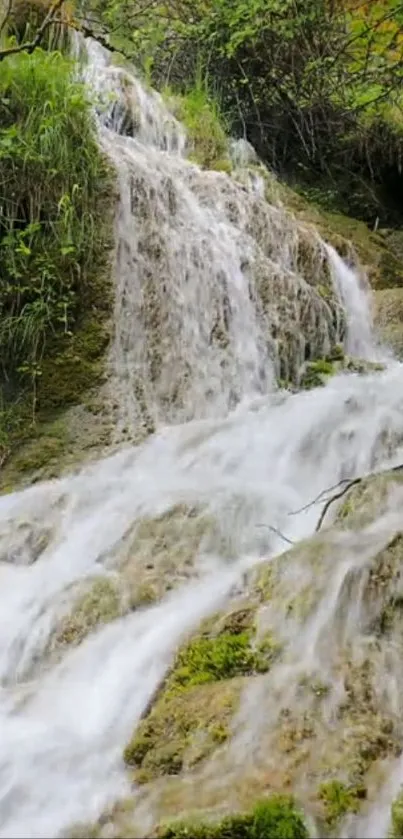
[339, 799]
[316, 86]
[53, 189]
[276, 817]
[200, 112]
[209, 659]
[396, 825]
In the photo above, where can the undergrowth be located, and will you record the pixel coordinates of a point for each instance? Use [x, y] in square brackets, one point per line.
[54, 186]
[200, 112]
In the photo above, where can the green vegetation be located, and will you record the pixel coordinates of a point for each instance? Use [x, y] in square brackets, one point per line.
[221, 657]
[276, 817]
[182, 729]
[55, 199]
[190, 717]
[200, 113]
[339, 799]
[314, 85]
[316, 373]
[99, 605]
[396, 826]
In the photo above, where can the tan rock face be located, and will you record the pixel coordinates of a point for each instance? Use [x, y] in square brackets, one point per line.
[388, 310]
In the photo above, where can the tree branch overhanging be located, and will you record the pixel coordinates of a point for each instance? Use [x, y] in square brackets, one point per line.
[30, 46]
[51, 18]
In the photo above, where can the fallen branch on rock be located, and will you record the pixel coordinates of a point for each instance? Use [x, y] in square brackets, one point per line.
[337, 495]
[278, 532]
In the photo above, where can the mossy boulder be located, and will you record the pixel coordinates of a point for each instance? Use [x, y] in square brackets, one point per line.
[282, 691]
[182, 729]
[198, 697]
[158, 552]
[277, 817]
[363, 501]
[339, 799]
[154, 556]
[99, 604]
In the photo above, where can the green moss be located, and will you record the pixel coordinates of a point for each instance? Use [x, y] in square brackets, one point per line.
[276, 817]
[339, 799]
[315, 373]
[221, 657]
[223, 165]
[396, 825]
[182, 729]
[364, 501]
[99, 605]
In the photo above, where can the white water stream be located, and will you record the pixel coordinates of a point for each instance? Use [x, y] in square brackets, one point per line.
[244, 451]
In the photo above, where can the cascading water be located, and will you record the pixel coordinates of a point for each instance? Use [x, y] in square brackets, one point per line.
[214, 300]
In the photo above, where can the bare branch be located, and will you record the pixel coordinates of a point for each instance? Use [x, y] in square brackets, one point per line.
[320, 496]
[334, 498]
[278, 533]
[32, 45]
[348, 486]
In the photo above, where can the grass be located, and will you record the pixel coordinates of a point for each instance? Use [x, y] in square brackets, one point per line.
[210, 659]
[55, 188]
[396, 823]
[200, 112]
[276, 817]
[339, 799]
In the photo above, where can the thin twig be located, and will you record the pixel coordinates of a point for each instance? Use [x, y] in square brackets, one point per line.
[335, 497]
[278, 532]
[319, 497]
[349, 485]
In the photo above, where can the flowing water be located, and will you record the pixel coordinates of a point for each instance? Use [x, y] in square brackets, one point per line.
[213, 302]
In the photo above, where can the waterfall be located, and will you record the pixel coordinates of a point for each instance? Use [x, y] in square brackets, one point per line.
[218, 295]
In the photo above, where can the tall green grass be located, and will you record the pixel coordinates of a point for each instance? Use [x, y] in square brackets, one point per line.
[53, 186]
[199, 110]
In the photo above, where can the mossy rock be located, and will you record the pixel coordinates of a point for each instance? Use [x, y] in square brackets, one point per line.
[364, 501]
[205, 679]
[349, 236]
[276, 817]
[339, 799]
[159, 552]
[182, 728]
[396, 821]
[317, 373]
[99, 605]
